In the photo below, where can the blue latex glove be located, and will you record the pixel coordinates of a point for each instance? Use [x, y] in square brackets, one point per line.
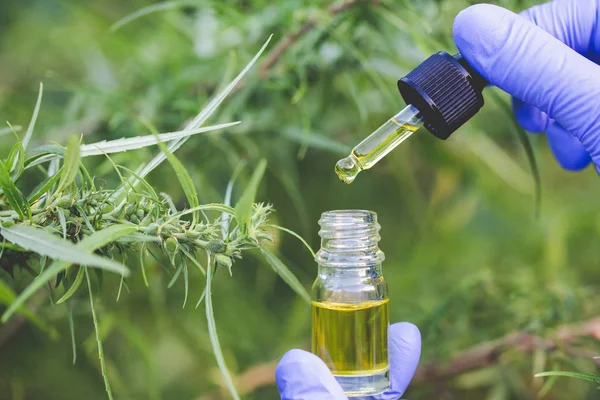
[303, 376]
[546, 58]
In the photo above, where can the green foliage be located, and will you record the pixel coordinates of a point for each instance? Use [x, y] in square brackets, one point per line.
[586, 377]
[212, 332]
[467, 259]
[92, 219]
[285, 274]
[243, 208]
[13, 195]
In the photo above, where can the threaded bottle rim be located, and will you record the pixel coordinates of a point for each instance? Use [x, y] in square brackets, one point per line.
[349, 238]
[349, 224]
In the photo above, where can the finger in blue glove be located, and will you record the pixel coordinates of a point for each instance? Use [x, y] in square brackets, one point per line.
[301, 375]
[546, 60]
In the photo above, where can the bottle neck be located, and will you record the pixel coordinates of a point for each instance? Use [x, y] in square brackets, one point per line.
[349, 240]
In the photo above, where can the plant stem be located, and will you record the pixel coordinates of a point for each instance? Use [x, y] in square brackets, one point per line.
[98, 339]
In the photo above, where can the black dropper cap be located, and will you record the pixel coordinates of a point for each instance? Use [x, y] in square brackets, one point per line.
[446, 90]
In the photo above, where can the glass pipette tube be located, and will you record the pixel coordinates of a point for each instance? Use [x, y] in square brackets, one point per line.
[377, 145]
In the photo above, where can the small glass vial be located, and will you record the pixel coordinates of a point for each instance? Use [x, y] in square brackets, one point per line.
[350, 310]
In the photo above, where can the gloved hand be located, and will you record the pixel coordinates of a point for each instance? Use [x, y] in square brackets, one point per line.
[546, 58]
[304, 376]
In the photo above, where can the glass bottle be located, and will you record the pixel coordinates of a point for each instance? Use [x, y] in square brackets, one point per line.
[350, 315]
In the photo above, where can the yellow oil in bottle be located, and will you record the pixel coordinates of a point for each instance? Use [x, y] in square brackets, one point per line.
[352, 339]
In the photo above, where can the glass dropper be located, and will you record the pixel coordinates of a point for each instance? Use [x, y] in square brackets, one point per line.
[443, 92]
[378, 144]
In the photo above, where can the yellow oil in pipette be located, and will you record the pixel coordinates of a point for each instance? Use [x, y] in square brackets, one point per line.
[377, 145]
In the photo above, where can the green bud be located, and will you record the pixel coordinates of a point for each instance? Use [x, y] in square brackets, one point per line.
[170, 228]
[65, 201]
[8, 224]
[152, 229]
[216, 246]
[140, 213]
[130, 209]
[223, 261]
[133, 218]
[170, 245]
[192, 234]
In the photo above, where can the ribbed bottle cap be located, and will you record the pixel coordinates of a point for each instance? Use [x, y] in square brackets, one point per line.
[446, 90]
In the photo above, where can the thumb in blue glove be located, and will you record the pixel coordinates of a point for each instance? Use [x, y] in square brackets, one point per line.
[546, 59]
[304, 376]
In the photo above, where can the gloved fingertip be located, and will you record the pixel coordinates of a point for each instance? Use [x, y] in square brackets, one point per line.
[405, 352]
[482, 19]
[567, 149]
[529, 117]
[406, 333]
[405, 347]
[301, 375]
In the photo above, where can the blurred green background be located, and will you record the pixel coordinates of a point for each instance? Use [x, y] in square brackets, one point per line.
[467, 260]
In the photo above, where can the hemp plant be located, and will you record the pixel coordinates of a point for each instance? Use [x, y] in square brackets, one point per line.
[69, 225]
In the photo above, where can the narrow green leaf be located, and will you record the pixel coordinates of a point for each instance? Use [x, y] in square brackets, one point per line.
[545, 389]
[193, 260]
[76, 283]
[587, 377]
[186, 282]
[43, 187]
[71, 164]
[53, 149]
[206, 112]
[98, 338]
[153, 8]
[36, 110]
[205, 207]
[63, 222]
[227, 198]
[44, 243]
[175, 276]
[284, 272]
[13, 194]
[202, 296]
[142, 265]
[120, 288]
[7, 296]
[85, 218]
[39, 159]
[138, 142]
[243, 208]
[184, 180]
[87, 181]
[142, 181]
[16, 161]
[88, 244]
[43, 262]
[214, 338]
[115, 168]
[72, 330]
[300, 238]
